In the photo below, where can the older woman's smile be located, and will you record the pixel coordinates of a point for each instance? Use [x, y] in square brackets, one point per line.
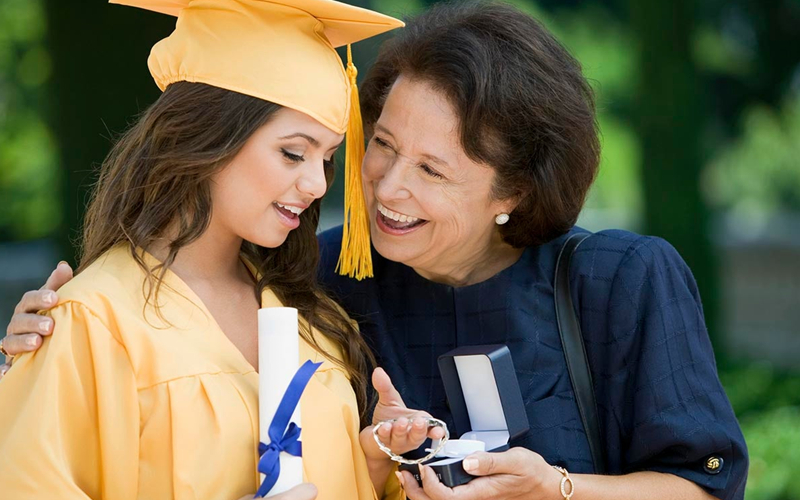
[396, 223]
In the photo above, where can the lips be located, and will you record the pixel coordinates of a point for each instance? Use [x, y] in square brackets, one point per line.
[290, 208]
[396, 216]
[397, 223]
[287, 216]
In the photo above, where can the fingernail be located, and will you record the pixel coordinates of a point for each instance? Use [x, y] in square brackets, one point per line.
[49, 297]
[32, 341]
[44, 325]
[422, 472]
[62, 262]
[470, 464]
[401, 479]
[4, 369]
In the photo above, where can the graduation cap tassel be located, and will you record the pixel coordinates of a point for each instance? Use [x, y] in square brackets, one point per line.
[355, 259]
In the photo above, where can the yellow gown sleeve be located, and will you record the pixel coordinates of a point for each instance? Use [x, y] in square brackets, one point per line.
[69, 425]
[392, 490]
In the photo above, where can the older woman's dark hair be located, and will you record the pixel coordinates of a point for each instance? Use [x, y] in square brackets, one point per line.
[524, 107]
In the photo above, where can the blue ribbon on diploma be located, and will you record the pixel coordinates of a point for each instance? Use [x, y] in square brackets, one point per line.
[283, 438]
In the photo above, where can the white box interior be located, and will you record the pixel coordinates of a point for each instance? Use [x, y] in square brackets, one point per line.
[486, 416]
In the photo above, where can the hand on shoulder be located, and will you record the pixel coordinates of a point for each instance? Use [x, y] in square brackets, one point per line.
[27, 327]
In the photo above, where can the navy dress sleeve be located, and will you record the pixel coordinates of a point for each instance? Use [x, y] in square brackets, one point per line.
[663, 406]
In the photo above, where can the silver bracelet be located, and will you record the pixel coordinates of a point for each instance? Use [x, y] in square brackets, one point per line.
[432, 422]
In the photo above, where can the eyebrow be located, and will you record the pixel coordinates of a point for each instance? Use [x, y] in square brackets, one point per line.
[428, 156]
[310, 139]
[307, 137]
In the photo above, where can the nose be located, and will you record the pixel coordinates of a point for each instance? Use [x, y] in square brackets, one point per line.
[312, 182]
[391, 183]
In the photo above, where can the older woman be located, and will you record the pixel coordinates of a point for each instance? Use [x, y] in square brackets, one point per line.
[484, 145]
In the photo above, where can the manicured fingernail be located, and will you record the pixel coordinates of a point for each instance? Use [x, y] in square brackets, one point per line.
[400, 479]
[470, 464]
[44, 325]
[60, 262]
[32, 341]
[49, 297]
[422, 472]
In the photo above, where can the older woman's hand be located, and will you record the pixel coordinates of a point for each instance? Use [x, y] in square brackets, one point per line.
[515, 474]
[26, 328]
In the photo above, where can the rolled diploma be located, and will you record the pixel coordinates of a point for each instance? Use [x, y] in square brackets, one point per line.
[278, 360]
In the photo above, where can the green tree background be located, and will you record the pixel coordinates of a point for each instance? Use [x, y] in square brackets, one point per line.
[699, 108]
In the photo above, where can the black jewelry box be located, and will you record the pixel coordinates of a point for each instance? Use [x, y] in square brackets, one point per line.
[486, 403]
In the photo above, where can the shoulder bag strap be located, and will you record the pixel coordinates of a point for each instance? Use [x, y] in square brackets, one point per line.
[569, 328]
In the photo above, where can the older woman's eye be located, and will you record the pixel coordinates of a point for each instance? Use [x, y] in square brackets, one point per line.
[381, 143]
[428, 170]
[292, 157]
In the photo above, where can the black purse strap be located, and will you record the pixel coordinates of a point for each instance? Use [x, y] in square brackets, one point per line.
[569, 328]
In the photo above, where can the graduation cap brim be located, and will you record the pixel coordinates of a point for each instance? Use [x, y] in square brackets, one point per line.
[343, 24]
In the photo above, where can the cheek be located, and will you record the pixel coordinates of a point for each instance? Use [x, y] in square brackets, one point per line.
[453, 221]
[374, 164]
[243, 190]
[458, 218]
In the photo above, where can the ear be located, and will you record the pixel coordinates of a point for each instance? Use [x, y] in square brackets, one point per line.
[506, 205]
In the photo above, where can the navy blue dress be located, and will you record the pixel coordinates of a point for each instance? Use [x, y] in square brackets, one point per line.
[660, 403]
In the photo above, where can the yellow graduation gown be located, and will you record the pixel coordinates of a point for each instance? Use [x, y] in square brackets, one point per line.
[118, 405]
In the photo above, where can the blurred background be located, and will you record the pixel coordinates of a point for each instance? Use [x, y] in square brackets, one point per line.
[699, 107]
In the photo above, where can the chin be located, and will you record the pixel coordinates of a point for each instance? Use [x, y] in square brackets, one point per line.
[268, 241]
[390, 250]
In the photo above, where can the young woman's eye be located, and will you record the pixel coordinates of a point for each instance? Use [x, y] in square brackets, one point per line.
[428, 170]
[292, 157]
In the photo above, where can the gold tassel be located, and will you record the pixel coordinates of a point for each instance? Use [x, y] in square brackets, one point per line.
[355, 259]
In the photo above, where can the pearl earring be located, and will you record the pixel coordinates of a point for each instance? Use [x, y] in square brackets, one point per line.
[501, 219]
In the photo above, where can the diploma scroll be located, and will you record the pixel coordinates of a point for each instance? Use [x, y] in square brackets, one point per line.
[280, 387]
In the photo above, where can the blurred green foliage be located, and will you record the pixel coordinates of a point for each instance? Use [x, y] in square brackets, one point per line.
[28, 166]
[759, 172]
[767, 403]
[603, 46]
[773, 439]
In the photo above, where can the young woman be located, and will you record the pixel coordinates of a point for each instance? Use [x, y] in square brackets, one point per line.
[205, 211]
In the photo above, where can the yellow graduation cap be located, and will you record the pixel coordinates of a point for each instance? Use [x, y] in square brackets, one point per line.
[282, 51]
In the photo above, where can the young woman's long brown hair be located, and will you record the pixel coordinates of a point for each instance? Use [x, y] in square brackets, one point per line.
[156, 178]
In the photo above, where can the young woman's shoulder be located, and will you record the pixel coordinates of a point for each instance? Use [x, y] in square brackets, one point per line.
[110, 274]
[111, 284]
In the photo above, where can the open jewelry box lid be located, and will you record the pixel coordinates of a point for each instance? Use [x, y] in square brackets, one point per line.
[483, 394]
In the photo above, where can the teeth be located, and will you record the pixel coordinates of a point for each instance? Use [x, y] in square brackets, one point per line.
[396, 216]
[294, 210]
